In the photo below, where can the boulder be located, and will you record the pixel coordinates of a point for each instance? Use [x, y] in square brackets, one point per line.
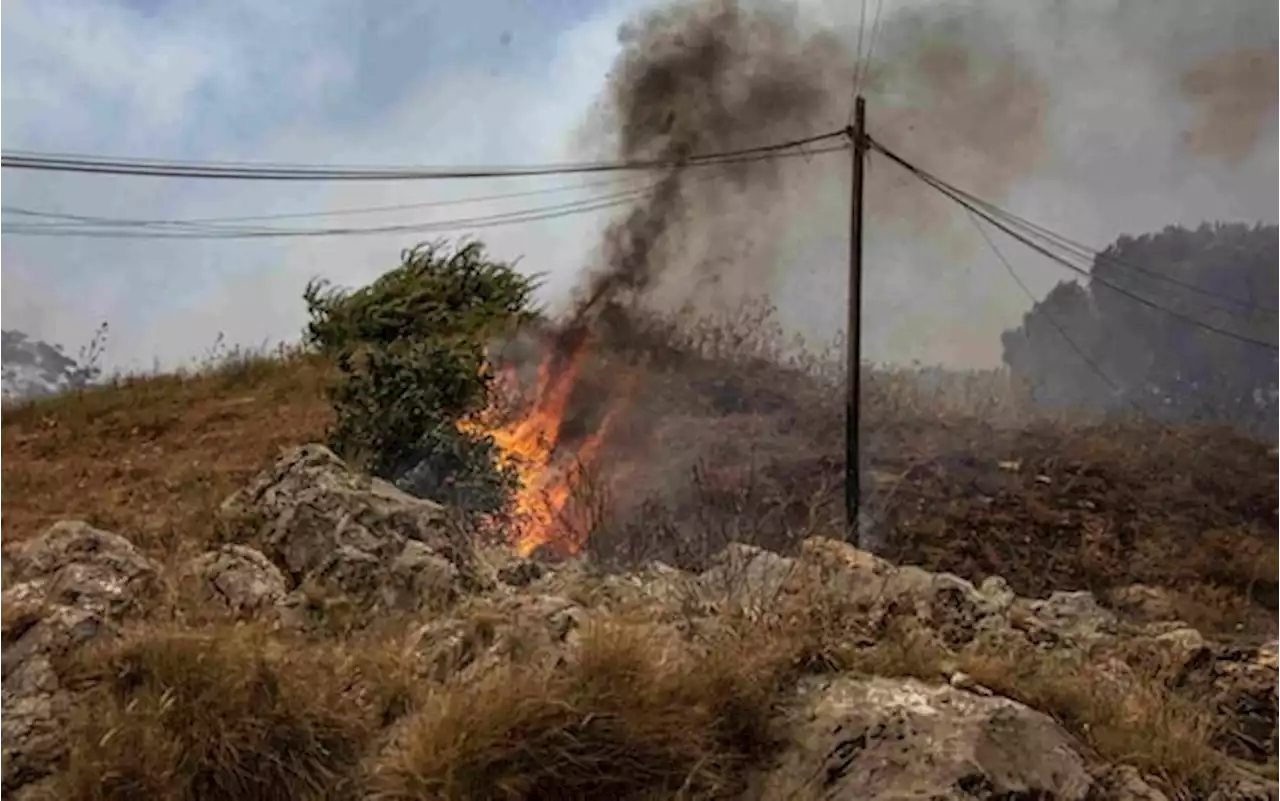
[238, 578]
[879, 738]
[73, 563]
[747, 579]
[338, 532]
[489, 630]
[75, 583]
[951, 606]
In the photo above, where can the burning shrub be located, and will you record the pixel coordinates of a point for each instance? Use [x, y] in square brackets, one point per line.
[410, 354]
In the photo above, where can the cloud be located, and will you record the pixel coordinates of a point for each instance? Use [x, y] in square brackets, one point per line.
[503, 81]
[246, 81]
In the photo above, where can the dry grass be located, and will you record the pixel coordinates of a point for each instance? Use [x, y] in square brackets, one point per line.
[219, 713]
[627, 710]
[150, 457]
[1129, 717]
[895, 394]
[222, 711]
[634, 714]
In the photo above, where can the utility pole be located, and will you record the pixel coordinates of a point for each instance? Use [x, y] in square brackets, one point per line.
[853, 345]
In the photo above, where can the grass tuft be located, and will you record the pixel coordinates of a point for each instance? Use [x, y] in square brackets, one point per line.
[632, 714]
[221, 713]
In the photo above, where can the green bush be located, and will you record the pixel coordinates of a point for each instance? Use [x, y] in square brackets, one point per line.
[410, 351]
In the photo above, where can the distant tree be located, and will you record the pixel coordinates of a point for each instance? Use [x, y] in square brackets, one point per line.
[1224, 275]
[410, 350]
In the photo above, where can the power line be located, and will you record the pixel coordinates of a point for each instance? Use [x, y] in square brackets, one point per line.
[487, 221]
[1090, 254]
[862, 59]
[168, 231]
[857, 58]
[278, 172]
[349, 211]
[875, 32]
[992, 219]
[1071, 343]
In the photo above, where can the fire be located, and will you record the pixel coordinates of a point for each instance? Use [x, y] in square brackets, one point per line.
[532, 445]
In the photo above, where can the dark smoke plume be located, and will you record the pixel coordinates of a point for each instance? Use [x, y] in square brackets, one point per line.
[699, 78]
[706, 76]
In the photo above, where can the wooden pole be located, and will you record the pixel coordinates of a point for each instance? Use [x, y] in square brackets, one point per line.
[854, 331]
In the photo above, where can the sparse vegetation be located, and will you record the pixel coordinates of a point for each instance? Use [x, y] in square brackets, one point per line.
[152, 456]
[222, 713]
[634, 714]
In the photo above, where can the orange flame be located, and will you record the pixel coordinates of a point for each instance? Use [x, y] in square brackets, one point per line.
[547, 476]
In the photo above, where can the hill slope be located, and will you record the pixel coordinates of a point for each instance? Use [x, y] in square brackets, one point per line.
[1049, 507]
[152, 456]
[233, 623]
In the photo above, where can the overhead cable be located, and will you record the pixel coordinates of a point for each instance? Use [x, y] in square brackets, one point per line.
[1062, 331]
[486, 221]
[994, 219]
[339, 212]
[1036, 231]
[109, 228]
[293, 172]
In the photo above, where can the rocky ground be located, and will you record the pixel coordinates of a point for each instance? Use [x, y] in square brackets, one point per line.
[341, 639]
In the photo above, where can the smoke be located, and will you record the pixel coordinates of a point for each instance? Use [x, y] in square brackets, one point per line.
[693, 79]
[1235, 97]
[1070, 108]
[951, 88]
[719, 75]
[1016, 104]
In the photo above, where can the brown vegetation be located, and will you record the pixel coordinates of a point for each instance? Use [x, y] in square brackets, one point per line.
[220, 713]
[152, 456]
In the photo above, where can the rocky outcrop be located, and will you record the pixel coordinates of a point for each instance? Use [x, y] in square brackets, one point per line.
[238, 579]
[905, 732]
[312, 537]
[73, 584]
[330, 532]
[879, 738]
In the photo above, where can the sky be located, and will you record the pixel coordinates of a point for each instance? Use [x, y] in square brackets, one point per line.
[514, 82]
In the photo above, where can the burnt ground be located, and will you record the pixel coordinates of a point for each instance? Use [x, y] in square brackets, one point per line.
[1087, 508]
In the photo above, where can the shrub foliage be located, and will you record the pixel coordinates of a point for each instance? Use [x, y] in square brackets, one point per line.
[410, 350]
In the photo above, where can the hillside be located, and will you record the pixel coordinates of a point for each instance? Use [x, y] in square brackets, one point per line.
[1048, 506]
[381, 653]
[153, 456]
